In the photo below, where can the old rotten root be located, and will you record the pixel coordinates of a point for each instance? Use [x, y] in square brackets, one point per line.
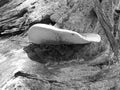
[107, 27]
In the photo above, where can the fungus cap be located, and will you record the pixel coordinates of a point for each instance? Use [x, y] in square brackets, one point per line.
[42, 33]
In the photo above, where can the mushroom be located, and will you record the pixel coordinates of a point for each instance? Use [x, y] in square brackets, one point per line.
[47, 34]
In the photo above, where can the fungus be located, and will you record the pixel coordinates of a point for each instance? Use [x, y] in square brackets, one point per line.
[47, 34]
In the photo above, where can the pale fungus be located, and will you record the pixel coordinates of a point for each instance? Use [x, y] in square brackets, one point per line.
[47, 34]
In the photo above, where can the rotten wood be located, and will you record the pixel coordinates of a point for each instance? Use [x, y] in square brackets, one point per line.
[107, 27]
[116, 16]
[36, 67]
[66, 16]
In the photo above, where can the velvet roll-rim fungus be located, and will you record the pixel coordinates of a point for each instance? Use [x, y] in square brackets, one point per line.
[47, 34]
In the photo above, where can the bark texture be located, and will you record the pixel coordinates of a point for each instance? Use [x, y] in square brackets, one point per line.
[26, 66]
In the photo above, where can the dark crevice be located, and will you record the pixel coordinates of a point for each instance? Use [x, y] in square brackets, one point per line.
[26, 75]
[116, 23]
[52, 81]
[34, 77]
[30, 76]
[22, 12]
[6, 35]
[1, 29]
[3, 2]
[103, 64]
[45, 20]
[19, 73]
[100, 1]
[93, 13]
[115, 87]
[117, 11]
[94, 18]
[22, 74]
[35, 22]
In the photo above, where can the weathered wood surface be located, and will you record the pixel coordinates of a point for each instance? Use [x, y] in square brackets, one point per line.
[25, 66]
